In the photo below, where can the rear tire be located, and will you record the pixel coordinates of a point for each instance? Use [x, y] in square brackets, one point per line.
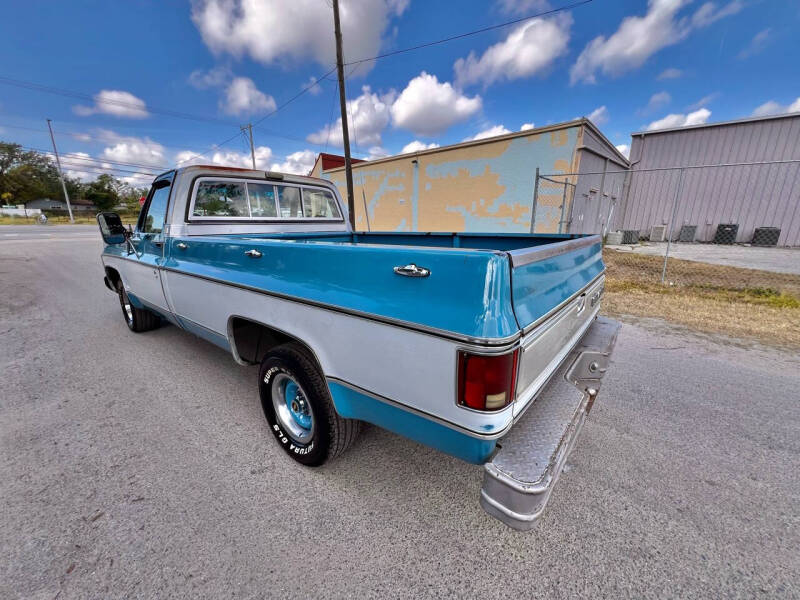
[298, 407]
[137, 319]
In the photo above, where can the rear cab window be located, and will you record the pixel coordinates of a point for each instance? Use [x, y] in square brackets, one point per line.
[229, 199]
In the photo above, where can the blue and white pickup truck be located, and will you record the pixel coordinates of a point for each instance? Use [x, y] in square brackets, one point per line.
[486, 347]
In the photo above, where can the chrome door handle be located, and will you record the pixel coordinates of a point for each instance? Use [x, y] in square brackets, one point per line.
[181, 246]
[412, 270]
[253, 253]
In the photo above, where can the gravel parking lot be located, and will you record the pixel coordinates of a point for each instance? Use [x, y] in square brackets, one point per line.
[140, 465]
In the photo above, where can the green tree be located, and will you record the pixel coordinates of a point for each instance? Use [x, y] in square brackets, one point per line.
[103, 192]
[27, 176]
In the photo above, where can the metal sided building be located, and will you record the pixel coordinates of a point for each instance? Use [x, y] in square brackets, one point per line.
[486, 185]
[748, 196]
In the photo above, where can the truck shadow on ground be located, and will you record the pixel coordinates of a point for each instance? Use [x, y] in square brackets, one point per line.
[381, 467]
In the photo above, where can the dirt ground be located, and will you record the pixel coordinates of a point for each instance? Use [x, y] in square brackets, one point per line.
[736, 302]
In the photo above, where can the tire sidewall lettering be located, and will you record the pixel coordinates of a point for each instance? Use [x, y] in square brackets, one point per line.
[289, 444]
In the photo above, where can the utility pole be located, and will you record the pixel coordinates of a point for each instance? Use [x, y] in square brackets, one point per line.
[60, 172]
[348, 167]
[249, 128]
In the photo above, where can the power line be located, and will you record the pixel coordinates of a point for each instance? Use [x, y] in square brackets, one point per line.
[470, 33]
[165, 112]
[120, 103]
[75, 156]
[69, 161]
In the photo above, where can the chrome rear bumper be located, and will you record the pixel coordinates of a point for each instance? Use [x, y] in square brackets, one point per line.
[519, 479]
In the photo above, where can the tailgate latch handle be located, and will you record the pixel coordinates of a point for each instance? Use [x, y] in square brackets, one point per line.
[412, 270]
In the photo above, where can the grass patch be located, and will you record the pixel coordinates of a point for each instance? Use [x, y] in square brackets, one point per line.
[744, 303]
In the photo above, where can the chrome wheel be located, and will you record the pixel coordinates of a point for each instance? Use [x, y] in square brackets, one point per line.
[292, 408]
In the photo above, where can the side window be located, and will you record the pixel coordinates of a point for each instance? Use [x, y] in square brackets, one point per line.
[153, 220]
[221, 199]
[319, 203]
[289, 202]
[262, 200]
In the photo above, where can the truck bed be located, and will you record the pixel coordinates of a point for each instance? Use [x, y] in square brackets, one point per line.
[488, 288]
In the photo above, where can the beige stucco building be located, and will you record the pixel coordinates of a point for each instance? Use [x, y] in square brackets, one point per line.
[488, 185]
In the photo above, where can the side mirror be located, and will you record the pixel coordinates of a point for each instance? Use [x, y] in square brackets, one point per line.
[111, 228]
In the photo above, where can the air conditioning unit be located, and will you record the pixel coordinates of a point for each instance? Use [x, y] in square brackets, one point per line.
[630, 236]
[687, 233]
[766, 236]
[726, 233]
[658, 233]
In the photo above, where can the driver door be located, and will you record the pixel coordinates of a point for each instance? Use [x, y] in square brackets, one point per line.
[148, 240]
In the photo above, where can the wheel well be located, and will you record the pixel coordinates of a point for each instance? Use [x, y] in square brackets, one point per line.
[251, 341]
[113, 276]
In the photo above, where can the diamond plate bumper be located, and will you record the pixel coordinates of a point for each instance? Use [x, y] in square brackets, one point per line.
[519, 479]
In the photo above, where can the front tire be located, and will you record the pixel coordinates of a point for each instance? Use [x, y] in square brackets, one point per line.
[299, 409]
[137, 319]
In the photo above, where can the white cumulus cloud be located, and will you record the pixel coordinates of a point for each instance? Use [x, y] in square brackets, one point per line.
[487, 133]
[599, 115]
[242, 97]
[299, 163]
[427, 107]
[527, 126]
[228, 158]
[216, 77]
[132, 149]
[272, 30]
[671, 73]
[775, 108]
[523, 7]
[656, 102]
[73, 164]
[757, 44]
[116, 103]
[697, 117]
[369, 115]
[417, 146]
[639, 37]
[709, 12]
[624, 149]
[529, 49]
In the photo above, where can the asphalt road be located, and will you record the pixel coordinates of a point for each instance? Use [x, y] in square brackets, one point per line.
[141, 466]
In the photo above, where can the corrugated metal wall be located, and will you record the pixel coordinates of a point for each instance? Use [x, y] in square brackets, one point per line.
[752, 196]
[596, 197]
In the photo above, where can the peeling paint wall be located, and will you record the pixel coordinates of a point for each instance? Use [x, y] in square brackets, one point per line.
[486, 187]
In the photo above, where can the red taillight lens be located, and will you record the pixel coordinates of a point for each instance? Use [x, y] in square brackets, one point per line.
[486, 382]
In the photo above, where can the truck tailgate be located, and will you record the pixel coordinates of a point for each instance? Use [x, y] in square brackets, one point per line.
[556, 295]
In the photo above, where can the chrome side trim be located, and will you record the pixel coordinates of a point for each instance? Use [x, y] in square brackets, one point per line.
[419, 413]
[527, 256]
[442, 333]
[553, 311]
[546, 380]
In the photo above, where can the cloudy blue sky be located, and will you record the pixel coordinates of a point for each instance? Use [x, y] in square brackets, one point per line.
[151, 84]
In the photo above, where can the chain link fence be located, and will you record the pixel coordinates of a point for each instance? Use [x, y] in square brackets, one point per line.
[716, 247]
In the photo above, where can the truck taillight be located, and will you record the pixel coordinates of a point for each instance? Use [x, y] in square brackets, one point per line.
[487, 382]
